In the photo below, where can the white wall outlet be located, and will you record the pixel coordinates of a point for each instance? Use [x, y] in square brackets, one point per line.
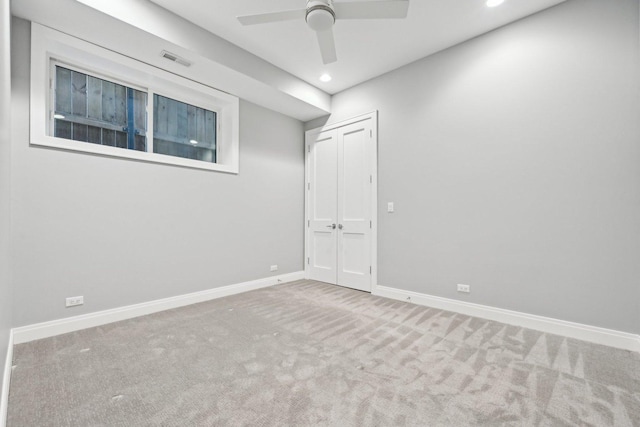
[274, 268]
[73, 301]
[464, 288]
[390, 207]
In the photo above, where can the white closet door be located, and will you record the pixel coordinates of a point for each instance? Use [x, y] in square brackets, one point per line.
[323, 209]
[355, 145]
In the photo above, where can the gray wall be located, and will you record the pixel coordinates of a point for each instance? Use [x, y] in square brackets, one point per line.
[514, 164]
[5, 185]
[121, 232]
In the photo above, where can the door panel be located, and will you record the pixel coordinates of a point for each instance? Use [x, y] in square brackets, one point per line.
[323, 181]
[354, 259]
[354, 168]
[324, 177]
[354, 205]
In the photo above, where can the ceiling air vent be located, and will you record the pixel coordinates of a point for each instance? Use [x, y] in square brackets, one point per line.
[175, 58]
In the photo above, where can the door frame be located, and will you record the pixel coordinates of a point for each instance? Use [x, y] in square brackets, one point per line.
[373, 116]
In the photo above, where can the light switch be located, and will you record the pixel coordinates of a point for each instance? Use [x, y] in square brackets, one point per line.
[390, 207]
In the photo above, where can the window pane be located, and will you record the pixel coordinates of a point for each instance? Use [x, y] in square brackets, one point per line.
[183, 130]
[98, 111]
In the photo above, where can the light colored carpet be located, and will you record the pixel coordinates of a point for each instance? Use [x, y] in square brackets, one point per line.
[307, 353]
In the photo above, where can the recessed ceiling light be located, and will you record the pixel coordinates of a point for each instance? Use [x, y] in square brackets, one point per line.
[494, 3]
[325, 78]
[193, 141]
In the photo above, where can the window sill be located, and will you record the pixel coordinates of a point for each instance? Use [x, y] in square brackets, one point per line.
[122, 153]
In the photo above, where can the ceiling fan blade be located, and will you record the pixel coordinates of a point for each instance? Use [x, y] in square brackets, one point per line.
[376, 9]
[264, 18]
[327, 46]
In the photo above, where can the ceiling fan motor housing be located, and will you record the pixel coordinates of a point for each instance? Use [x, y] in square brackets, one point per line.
[320, 15]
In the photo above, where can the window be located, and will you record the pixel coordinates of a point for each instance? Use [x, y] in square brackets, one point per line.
[183, 130]
[100, 102]
[98, 111]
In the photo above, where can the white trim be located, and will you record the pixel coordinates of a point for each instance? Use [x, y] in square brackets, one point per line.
[374, 203]
[6, 382]
[373, 116]
[366, 116]
[579, 331]
[70, 324]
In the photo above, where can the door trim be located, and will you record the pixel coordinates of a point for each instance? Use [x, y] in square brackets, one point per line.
[373, 116]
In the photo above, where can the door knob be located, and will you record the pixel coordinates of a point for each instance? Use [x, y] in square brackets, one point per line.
[340, 226]
[332, 226]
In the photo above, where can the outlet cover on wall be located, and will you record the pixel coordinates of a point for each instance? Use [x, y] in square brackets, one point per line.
[464, 288]
[274, 268]
[73, 301]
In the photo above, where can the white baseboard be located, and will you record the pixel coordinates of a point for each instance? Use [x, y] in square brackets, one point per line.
[6, 381]
[579, 331]
[70, 324]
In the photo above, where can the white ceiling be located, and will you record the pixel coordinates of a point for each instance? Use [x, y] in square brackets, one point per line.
[366, 48]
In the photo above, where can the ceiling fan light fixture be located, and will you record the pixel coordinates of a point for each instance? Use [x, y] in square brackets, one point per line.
[320, 16]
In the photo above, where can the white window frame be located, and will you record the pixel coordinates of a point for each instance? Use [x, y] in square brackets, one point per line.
[50, 48]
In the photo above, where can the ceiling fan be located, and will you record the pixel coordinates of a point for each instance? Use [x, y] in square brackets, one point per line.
[320, 15]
